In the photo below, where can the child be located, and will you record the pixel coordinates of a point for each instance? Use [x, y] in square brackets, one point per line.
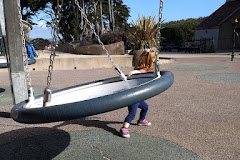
[145, 64]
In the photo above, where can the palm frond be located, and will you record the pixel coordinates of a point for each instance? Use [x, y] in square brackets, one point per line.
[143, 32]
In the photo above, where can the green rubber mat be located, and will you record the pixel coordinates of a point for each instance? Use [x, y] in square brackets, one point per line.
[6, 94]
[94, 145]
[221, 77]
[198, 68]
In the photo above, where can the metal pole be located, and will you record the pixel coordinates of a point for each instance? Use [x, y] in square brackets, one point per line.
[2, 28]
[2, 20]
[234, 39]
[14, 51]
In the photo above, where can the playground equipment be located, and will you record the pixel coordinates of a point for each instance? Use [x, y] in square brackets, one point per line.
[1, 46]
[94, 97]
[235, 34]
[4, 64]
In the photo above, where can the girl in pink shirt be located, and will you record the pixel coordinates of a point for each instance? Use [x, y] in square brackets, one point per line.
[145, 64]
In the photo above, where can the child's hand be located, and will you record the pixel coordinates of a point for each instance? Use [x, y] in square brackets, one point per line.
[130, 73]
[133, 72]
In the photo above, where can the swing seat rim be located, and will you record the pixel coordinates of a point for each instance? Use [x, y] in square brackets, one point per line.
[95, 106]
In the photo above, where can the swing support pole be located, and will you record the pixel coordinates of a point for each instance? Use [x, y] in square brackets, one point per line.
[2, 29]
[14, 52]
[234, 39]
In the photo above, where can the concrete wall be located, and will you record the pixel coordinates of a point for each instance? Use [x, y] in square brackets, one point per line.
[66, 61]
[82, 62]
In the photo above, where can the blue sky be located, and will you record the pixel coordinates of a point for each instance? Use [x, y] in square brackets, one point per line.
[172, 10]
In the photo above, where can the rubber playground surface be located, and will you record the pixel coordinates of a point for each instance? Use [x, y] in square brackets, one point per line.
[196, 118]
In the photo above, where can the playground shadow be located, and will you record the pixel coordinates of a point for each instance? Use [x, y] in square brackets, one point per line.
[33, 143]
[2, 90]
[5, 115]
[87, 122]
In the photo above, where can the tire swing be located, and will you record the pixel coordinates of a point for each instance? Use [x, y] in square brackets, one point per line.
[94, 97]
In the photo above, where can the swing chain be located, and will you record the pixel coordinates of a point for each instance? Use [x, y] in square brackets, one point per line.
[159, 26]
[23, 43]
[55, 32]
[25, 55]
[156, 62]
[122, 76]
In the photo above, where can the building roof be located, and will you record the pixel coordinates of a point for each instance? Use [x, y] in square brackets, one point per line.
[220, 15]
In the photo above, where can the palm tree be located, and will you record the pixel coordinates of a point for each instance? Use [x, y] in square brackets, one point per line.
[143, 32]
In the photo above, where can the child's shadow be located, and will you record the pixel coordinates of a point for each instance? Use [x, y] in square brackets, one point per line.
[92, 122]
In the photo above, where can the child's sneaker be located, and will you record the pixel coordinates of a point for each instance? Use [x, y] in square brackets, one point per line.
[144, 123]
[124, 132]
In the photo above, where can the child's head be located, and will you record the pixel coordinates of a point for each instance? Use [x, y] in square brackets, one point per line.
[146, 61]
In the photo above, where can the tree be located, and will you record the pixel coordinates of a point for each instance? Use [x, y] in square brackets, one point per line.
[179, 31]
[98, 13]
[31, 8]
[121, 14]
[72, 26]
[40, 43]
[111, 15]
[101, 16]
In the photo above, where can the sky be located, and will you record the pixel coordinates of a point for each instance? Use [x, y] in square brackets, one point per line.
[172, 10]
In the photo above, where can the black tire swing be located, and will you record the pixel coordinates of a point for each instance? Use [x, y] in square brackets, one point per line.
[94, 97]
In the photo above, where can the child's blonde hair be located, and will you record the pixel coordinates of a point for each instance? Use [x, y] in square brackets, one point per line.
[146, 61]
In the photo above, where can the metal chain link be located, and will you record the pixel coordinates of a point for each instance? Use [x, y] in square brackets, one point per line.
[55, 32]
[25, 55]
[122, 76]
[158, 45]
[159, 26]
